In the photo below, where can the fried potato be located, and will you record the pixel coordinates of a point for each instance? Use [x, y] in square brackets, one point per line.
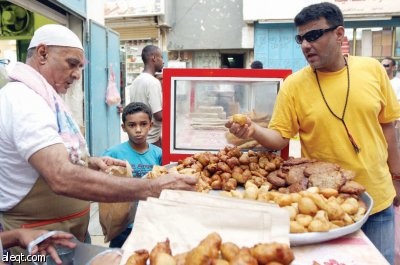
[321, 215]
[296, 227]
[229, 250]
[307, 206]
[219, 262]
[328, 192]
[138, 258]
[180, 259]
[303, 219]
[266, 253]
[244, 257]
[292, 211]
[240, 119]
[250, 192]
[163, 259]
[161, 247]
[317, 225]
[213, 241]
[200, 255]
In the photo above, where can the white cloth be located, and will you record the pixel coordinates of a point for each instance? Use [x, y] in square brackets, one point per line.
[55, 35]
[27, 124]
[147, 89]
[395, 81]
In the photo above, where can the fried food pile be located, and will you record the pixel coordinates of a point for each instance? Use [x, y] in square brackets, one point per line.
[230, 168]
[297, 174]
[212, 251]
[226, 169]
[261, 119]
[320, 196]
[312, 210]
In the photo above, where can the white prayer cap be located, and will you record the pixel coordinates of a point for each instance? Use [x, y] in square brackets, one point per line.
[55, 35]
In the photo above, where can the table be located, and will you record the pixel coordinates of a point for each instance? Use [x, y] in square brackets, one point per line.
[352, 249]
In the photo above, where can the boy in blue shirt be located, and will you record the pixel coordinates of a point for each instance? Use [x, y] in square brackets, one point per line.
[141, 155]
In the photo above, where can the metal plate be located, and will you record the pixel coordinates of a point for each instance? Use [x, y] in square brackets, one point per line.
[299, 239]
[316, 237]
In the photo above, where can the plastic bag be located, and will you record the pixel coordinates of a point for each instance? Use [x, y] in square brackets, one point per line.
[112, 94]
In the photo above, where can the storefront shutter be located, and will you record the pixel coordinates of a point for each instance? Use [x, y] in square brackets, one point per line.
[137, 33]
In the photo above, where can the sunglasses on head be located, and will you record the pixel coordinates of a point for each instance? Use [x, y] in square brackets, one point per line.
[386, 65]
[313, 35]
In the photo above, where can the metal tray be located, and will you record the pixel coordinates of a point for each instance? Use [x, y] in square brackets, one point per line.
[299, 239]
[316, 237]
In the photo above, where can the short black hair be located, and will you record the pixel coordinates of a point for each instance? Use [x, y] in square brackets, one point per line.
[392, 60]
[329, 11]
[148, 51]
[135, 107]
[256, 65]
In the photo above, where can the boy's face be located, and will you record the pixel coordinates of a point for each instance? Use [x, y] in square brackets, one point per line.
[137, 127]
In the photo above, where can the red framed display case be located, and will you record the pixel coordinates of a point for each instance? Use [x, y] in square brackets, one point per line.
[197, 103]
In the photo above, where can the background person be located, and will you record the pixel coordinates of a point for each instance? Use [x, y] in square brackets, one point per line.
[344, 111]
[141, 155]
[146, 88]
[47, 178]
[256, 65]
[390, 66]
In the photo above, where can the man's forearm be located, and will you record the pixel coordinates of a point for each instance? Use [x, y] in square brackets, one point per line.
[9, 238]
[393, 152]
[84, 183]
[101, 187]
[269, 138]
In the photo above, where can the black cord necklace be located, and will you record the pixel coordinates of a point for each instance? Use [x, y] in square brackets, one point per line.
[353, 142]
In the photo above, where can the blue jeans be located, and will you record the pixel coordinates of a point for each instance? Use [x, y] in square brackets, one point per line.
[379, 228]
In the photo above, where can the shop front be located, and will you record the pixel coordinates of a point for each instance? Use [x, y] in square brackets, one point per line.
[87, 98]
[139, 23]
[372, 29]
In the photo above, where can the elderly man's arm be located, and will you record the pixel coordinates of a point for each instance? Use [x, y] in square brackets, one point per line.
[80, 182]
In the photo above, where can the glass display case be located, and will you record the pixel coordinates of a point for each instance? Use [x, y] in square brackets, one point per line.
[198, 102]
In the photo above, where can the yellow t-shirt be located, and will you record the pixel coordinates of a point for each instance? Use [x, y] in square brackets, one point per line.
[300, 108]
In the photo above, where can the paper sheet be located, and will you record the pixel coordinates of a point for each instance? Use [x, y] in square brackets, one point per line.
[280, 220]
[185, 218]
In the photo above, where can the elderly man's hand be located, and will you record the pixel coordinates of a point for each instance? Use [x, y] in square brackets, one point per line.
[102, 163]
[173, 182]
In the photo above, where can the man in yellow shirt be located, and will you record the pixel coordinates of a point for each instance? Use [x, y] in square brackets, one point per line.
[344, 111]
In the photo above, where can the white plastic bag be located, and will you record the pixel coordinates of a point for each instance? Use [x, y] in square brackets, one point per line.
[112, 94]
